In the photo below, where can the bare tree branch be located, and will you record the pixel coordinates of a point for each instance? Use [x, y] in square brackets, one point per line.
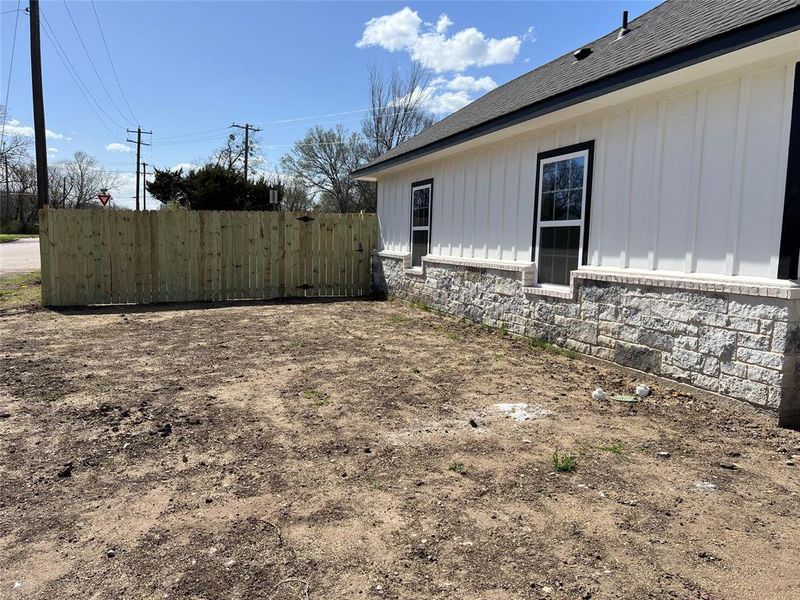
[323, 161]
[397, 111]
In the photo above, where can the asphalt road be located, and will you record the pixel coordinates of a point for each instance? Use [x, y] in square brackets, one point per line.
[20, 256]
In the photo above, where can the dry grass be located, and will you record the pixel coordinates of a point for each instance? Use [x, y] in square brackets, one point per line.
[20, 290]
[12, 237]
[355, 450]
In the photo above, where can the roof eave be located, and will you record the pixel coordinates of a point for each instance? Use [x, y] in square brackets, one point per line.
[730, 41]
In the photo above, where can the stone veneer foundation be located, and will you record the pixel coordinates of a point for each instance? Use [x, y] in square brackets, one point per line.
[737, 344]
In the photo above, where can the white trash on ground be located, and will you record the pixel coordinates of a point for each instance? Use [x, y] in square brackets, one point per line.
[705, 486]
[521, 411]
[599, 394]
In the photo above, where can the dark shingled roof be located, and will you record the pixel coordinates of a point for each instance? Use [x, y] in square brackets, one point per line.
[668, 28]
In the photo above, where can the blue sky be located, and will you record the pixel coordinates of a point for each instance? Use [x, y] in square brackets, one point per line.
[189, 69]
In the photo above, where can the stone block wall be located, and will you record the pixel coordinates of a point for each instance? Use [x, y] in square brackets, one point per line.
[746, 347]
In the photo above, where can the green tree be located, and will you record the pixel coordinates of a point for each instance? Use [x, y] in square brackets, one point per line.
[212, 187]
[167, 186]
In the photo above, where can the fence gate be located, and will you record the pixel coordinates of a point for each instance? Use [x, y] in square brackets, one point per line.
[124, 257]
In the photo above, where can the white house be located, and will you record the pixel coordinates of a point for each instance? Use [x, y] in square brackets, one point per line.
[637, 200]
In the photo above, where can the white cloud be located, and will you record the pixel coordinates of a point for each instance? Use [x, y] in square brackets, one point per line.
[444, 103]
[124, 193]
[529, 35]
[186, 166]
[52, 150]
[443, 23]
[117, 147]
[393, 32]
[15, 127]
[431, 47]
[443, 96]
[468, 83]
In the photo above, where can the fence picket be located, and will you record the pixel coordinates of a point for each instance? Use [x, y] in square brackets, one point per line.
[164, 259]
[265, 258]
[181, 233]
[326, 254]
[313, 253]
[155, 260]
[215, 262]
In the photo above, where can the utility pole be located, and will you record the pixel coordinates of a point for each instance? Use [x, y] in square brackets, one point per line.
[144, 186]
[7, 203]
[139, 144]
[247, 129]
[38, 105]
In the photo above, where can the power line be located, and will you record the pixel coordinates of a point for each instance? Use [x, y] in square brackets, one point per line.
[62, 54]
[287, 121]
[74, 70]
[91, 62]
[196, 133]
[8, 85]
[336, 114]
[113, 69]
[190, 139]
[78, 82]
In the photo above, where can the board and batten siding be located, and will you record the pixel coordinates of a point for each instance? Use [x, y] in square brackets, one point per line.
[688, 182]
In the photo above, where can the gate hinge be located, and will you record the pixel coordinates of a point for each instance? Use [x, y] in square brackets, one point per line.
[305, 218]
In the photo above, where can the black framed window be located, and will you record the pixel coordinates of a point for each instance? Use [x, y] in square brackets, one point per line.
[561, 225]
[421, 196]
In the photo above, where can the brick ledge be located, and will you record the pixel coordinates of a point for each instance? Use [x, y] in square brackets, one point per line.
[773, 289]
[566, 292]
[527, 270]
[405, 257]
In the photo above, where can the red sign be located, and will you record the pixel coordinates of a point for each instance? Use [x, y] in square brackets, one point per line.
[104, 198]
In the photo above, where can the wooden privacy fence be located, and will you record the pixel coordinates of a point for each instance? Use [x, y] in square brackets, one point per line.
[123, 257]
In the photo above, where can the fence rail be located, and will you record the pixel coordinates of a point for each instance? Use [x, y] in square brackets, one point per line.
[123, 257]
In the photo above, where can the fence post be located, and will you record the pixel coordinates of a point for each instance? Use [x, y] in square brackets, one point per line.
[44, 253]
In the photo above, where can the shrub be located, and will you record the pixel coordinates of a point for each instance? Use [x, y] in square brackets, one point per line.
[564, 463]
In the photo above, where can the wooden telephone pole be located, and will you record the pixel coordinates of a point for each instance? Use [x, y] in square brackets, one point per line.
[247, 129]
[38, 106]
[139, 144]
[144, 186]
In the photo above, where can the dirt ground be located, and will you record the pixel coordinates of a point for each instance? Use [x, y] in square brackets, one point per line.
[355, 450]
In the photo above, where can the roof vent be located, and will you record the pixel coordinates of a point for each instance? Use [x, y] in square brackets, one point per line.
[624, 29]
[582, 53]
